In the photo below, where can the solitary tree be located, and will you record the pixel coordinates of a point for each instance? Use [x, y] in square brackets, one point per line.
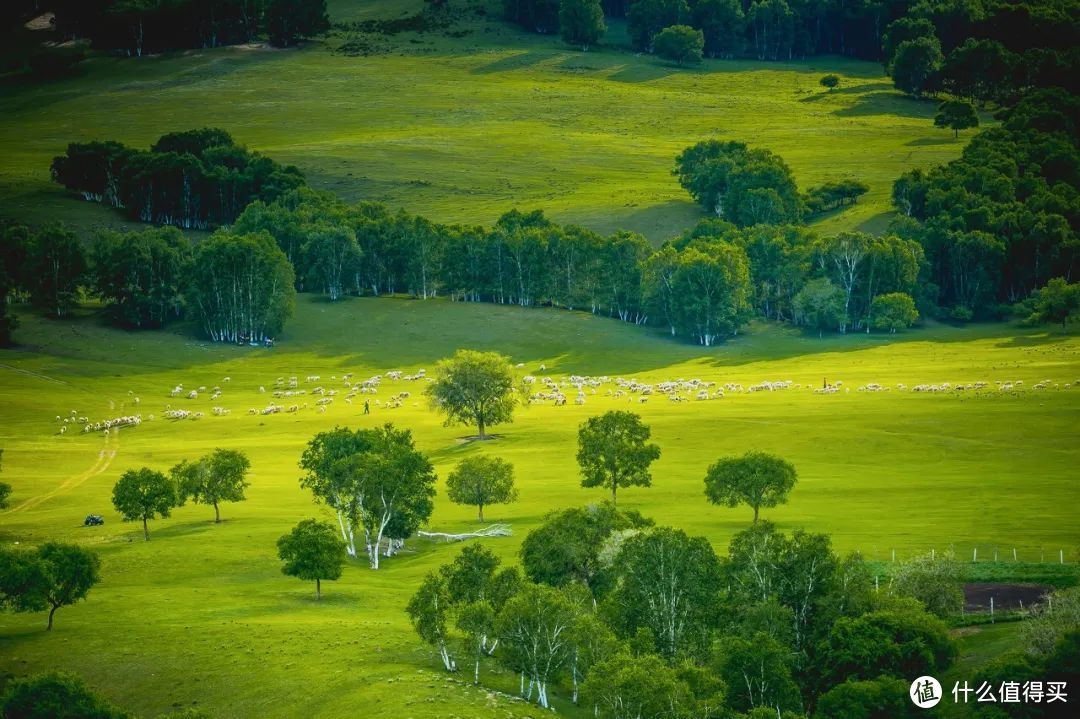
[830, 81]
[679, 43]
[757, 479]
[479, 481]
[217, 477]
[71, 570]
[581, 22]
[957, 115]
[312, 551]
[55, 695]
[474, 388]
[143, 494]
[893, 311]
[613, 452]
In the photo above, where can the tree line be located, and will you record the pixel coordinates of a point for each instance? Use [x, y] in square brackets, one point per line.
[137, 27]
[1003, 219]
[198, 179]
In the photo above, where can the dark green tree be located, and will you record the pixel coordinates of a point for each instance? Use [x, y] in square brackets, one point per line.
[214, 478]
[54, 695]
[614, 451]
[481, 481]
[756, 479]
[681, 44]
[820, 304]
[830, 81]
[312, 551]
[143, 494]
[56, 266]
[956, 115]
[916, 66]
[288, 21]
[581, 22]
[72, 572]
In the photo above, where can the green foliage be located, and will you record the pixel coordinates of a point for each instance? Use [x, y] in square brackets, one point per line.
[980, 70]
[834, 194]
[581, 22]
[901, 30]
[55, 268]
[540, 16]
[1058, 301]
[533, 624]
[916, 65]
[1053, 620]
[614, 451]
[893, 311]
[429, 611]
[820, 305]
[646, 18]
[52, 576]
[312, 551]
[681, 44]
[667, 583]
[744, 186]
[288, 21]
[900, 644]
[645, 687]
[144, 494]
[241, 287]
[214, 478]
[5, 493]
[192, 179]
[957, 115]
[474, 388]
[758, 674]
[721, 25]
[830, 81]
[933, 579]
[569, 546]
[882, 698]
[480, 481]
[756, 479]
[141, 275]
[55, 695]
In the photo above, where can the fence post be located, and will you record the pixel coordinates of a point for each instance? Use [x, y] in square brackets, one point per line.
[1014, 554]
[991, 610]
[1061, 556]
[975, 555]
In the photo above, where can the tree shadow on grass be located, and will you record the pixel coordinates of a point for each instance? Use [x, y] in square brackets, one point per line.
[935, 141]
[887, 103]
[514, 61]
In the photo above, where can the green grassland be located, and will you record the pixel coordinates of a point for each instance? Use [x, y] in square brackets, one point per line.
[461, 129]
[201, 614]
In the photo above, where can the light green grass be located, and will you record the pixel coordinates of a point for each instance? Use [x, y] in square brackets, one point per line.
[462, 130]
[202, 614]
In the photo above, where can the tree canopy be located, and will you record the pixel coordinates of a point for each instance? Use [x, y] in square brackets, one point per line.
[756, 479]
[312, 551]
[144, 494]
[475, 388]
[614, 452]
[214, 478]
[481, 481]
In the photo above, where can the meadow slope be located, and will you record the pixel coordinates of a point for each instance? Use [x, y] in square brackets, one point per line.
[201, 614]
[462, 129]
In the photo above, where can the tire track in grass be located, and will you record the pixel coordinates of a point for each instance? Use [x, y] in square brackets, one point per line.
[105, 457]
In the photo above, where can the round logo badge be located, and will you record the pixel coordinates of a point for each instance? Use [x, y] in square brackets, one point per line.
[925, 692]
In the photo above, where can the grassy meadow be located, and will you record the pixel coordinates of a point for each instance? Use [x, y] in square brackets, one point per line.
[462, 129]
[201, 615]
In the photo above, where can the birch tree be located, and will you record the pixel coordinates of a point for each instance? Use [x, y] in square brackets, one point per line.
[668, 583]
[429, 611]
[242, 287]
[332, 256]
[535, 627]
[332, 487]
[390, 480]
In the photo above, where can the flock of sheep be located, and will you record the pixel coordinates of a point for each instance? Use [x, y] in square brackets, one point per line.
[312, 393]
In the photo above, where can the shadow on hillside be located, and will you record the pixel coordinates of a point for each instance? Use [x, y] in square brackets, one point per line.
[935, 141]
[1031, 340]
[865, 87]
[515, 61]
[886, 103]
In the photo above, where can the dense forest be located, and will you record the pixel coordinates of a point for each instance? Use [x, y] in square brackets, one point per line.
[135, 27]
